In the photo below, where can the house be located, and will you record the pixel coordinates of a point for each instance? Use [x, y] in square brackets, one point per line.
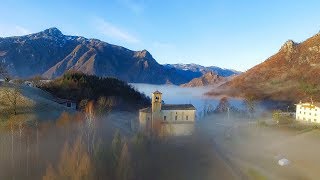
[67, 103]
[28, 83]
[308, 111]
[174, 114]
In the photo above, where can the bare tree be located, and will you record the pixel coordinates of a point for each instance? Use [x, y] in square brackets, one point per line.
[13, 97]
[250, 103]
[123, 171]
[223, 105]
[12, 144]
[90, 127]
[116, 146]
[75, 163]
[3, 72]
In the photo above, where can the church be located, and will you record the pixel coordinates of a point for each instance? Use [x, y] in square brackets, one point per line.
[165, 113]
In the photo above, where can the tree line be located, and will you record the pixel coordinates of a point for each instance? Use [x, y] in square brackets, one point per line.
[83, 88]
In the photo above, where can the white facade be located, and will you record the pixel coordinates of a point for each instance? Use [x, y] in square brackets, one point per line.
[178, 115]
[308, 112]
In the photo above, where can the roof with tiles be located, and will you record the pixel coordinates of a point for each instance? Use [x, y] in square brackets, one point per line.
[178, 107]
[171, 107]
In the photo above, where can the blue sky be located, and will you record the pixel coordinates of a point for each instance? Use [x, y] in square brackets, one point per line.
[225, 33]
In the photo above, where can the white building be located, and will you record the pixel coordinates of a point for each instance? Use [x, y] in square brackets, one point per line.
[177, 115]
[309, 112]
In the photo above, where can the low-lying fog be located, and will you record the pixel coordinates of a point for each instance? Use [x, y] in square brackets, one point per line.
[222, 146]
[173, 94]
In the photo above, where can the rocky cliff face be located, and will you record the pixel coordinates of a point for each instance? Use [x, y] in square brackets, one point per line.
[208, 79]
[292, 74]
[50, 54]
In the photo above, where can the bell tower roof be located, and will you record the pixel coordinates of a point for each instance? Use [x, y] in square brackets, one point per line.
[157, 92]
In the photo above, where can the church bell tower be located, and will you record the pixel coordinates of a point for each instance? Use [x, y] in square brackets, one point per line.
[156, 102]
[156, 108]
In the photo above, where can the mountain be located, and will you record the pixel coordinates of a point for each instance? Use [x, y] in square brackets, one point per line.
[50, 54]
[198, 69]
[208, 79]
[292, 74]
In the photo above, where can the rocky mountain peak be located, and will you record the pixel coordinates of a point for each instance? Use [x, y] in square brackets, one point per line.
[210, 75]
[288, 46]
[53, 32]
[208, 79]
[143, 54]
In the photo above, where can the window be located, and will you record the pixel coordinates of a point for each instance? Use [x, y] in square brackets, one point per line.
[304, 118]
[68, 104]
[300, 112]
[187, 118]
[315, 114]
[176, 118]
[309, 113]
[304, 112]
[316, 109]
[148, 118]
[165, 118]
[315, 120]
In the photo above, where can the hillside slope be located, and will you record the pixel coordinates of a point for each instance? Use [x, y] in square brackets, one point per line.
[32, 104]
[79, 87]
[50, 54]
[291, 74]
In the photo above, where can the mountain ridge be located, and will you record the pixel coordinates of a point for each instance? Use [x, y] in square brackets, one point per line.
[208, 79]
[203, 69]
[50, 53]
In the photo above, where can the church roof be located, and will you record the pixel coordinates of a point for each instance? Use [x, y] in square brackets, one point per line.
[309, 104]
[157, 92]
[171, 107]
[146, 110]
[178, 107]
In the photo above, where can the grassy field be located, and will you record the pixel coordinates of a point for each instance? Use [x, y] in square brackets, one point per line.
[32, 104]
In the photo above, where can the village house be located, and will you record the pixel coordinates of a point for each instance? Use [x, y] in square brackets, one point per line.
[308, 111]
[67, 103]
[165, 113]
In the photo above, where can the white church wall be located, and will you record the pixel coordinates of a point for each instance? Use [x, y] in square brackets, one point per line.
[180, 129]
[143, 118]
[178, 115]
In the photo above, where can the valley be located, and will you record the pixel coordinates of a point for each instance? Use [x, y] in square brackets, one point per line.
[159, 90]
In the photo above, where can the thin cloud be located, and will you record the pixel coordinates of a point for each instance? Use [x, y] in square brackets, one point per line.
[13, 30]
[136, 6]
[21, 30]
[110, 30]
[163, 45]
